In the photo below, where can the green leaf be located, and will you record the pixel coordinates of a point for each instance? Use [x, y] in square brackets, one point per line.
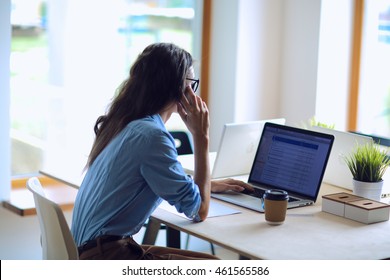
[368, 162]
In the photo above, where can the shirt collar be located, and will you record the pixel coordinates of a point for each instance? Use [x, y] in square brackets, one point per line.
[157, 118]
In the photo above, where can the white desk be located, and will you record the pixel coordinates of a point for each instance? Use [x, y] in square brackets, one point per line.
[308, 233]
[73, 181]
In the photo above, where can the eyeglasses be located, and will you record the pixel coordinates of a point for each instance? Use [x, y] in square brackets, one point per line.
[194, 84]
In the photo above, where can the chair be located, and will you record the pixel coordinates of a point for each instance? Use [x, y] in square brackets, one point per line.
[182, 142]
[56, 238]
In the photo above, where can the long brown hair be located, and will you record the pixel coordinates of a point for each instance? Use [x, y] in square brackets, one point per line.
[156, 79]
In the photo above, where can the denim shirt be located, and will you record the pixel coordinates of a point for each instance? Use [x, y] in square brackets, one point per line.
[129, 179]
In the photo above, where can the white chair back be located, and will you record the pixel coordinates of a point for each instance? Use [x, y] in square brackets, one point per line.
[56, 238]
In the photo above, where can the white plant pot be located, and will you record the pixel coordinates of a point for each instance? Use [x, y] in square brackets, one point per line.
[368, 190]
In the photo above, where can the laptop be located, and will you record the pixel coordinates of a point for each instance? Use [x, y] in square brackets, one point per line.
[236, 150]
[287, 158]
[337, 172]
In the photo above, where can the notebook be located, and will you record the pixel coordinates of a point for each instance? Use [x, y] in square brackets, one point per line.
[236, 150]
[337, 172]
[287, 158]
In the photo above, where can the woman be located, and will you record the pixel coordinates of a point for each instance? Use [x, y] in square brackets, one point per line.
[133, 163]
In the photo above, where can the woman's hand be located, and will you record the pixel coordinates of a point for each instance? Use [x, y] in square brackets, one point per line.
[230, 185]
[194, 113]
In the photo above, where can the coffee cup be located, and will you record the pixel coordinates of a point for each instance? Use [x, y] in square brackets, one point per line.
[275, 206]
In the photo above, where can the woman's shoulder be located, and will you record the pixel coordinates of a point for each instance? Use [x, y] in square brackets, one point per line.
[147, 133]
[149, 126]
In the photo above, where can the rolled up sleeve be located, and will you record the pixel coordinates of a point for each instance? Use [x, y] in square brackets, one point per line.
[166, 177]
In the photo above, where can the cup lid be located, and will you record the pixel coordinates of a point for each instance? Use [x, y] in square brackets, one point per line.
[275, 194]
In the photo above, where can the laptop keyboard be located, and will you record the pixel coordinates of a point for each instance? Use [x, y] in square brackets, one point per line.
[259, 194]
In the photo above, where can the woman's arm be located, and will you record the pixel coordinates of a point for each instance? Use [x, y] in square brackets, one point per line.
[194, 112]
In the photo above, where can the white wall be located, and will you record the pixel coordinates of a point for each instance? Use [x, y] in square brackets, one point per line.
[245, 62]
[223, 68]
[334, 61]
[264, 61]
[258, 60]
[300, 59]
[5, 144]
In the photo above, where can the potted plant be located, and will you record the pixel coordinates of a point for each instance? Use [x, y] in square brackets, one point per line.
[368, 164]
[314, 122]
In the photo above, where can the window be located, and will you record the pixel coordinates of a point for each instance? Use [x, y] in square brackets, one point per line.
[67, 59]
[374, 86]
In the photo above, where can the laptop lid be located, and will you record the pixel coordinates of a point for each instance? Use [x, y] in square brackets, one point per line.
[291, 159]
[337, 172]
[237, 148]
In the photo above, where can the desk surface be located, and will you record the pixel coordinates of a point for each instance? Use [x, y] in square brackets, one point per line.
[68, 176]
[307, 233]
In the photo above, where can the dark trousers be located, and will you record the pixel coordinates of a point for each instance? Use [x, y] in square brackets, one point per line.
[109, 248]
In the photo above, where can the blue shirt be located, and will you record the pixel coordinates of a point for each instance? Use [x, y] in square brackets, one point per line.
[129, 179]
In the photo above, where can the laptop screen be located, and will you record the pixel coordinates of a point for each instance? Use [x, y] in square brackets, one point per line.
[291, 159]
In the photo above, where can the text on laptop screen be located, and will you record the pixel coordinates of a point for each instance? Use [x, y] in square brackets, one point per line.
[291, 160]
